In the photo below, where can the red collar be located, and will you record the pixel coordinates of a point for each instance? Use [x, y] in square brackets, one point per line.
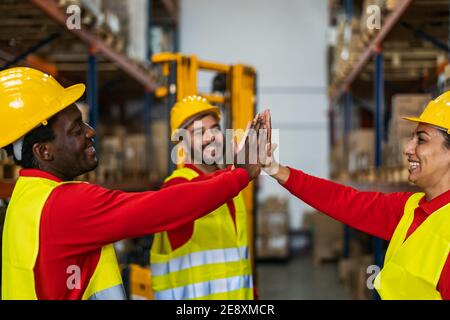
[435, 204]
[36, 173]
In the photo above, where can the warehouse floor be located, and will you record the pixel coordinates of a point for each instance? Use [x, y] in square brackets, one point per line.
[300, 279]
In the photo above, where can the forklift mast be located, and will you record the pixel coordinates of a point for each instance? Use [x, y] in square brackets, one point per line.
[237, 101]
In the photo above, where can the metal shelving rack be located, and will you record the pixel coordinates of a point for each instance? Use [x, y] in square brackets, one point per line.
[100, 55]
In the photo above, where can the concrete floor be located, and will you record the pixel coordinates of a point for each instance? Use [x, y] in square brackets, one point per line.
[299, 279]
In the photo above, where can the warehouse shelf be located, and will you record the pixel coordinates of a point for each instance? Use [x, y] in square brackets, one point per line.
[51, 8]
[34, 33]
[338, 89]
[172, 8]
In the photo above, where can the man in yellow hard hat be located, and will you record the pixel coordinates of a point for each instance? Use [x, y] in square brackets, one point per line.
[208, 258]
[417, 263]
[58, 233]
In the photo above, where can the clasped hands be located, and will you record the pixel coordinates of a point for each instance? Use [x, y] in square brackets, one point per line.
[256, 150]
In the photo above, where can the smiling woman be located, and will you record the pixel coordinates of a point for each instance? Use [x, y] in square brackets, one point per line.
[429, 160]
[417, 263]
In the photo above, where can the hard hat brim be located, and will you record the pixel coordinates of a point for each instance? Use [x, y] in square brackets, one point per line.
[418, 120]
[213, 110]
[412, 119]
[70, 96]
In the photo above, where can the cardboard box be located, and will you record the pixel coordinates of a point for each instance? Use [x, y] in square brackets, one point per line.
[327, 238]
[272, 223]
[272, 247]
[361, 149]
[135, 153]
[275, 204]
[159, 149]
[273, 229]
[407, 105]
[337, 158]
[346, 268]
[112, 153]
[362, 278]
[273, 217]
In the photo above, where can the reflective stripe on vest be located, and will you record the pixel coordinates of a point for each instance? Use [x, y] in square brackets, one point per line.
[413, 266]
[199, 258]
[21, 246]
[203, 289]
[113, 293]
[213, 264]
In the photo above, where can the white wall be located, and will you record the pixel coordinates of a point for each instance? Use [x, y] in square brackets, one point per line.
[137, 29]
[286, 42]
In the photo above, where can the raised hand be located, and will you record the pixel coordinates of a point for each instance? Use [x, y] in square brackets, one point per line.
[246, 154]
[267, 158]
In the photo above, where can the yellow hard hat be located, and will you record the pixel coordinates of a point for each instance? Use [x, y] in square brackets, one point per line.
[184, 111]
[436, 113]
[28, 98]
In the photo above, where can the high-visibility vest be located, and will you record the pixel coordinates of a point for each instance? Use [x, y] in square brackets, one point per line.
[21, 247]
[413, 267]
[214, 264]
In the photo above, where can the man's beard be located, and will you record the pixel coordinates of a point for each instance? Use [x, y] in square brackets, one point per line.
[213, 155]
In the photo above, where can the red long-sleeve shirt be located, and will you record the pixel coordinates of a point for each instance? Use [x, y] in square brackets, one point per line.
[181, 235]
[79, 219]
[375, 213]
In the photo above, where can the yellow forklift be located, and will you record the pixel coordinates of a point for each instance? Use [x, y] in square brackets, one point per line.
[234, 91]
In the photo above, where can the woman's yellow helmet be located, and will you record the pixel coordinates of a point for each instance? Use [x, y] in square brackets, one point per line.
[436, 113]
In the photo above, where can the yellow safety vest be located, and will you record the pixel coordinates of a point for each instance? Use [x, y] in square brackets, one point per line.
[412, 268]
[214, 264]
[21, 247]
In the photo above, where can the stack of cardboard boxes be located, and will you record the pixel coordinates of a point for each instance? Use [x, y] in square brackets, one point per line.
[399, 131]
[159, 157]
[136, 155]
[337, 161]
[361, 149]
[348, 48]
[132, 156]
[272, 240]
[354, 271]
[327, 235]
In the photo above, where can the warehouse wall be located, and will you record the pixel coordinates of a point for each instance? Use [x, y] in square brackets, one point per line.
[286, 42]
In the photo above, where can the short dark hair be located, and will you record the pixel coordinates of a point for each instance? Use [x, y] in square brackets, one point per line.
[446, 138]
[38, 135]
